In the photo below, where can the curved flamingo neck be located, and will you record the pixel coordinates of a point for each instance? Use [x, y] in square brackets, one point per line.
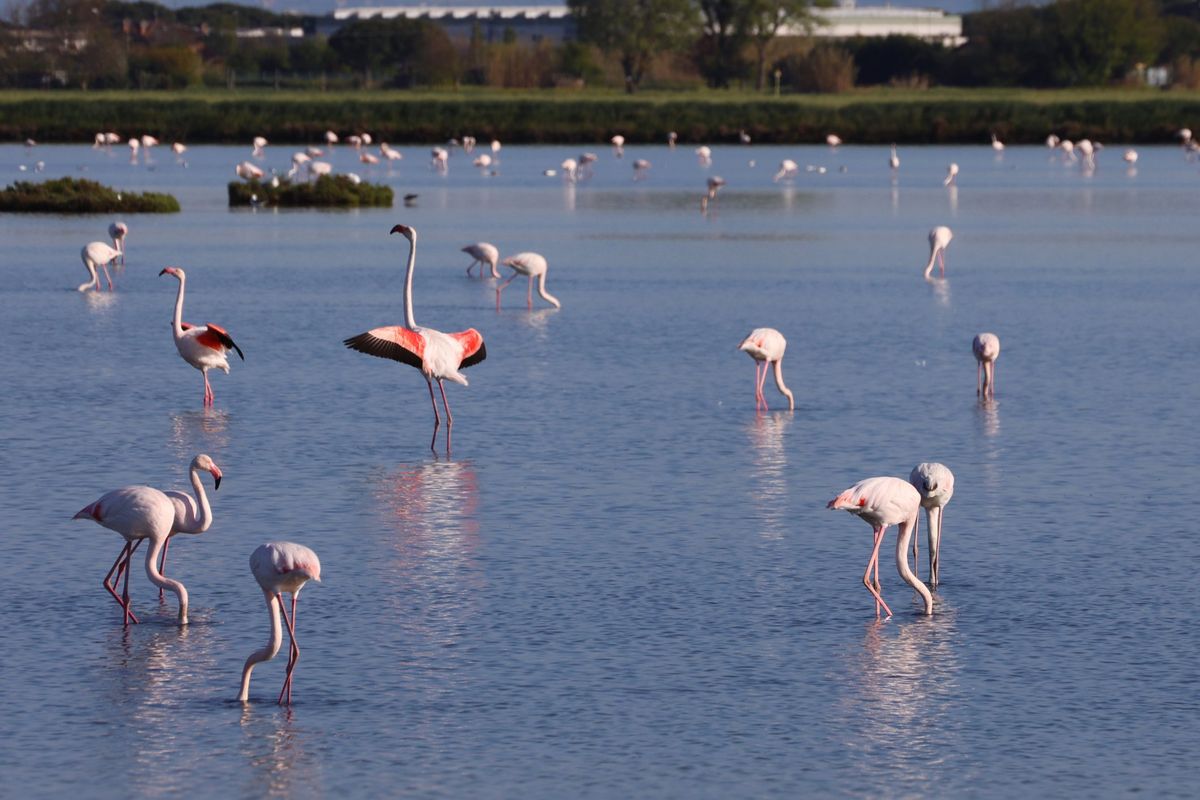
[177, 320]
[907, 529]
[205, 519]
[163, 582]
[266, 653]
[541, 287]
[933, 251]
[784, 390]
[409, 321]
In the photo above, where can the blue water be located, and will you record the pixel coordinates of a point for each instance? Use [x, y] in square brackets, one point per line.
[622, 582]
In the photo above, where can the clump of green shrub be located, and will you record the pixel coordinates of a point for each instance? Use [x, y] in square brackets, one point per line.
[327, 191]
[74, 196]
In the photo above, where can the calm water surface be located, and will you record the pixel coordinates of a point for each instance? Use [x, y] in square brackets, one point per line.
[623, 582]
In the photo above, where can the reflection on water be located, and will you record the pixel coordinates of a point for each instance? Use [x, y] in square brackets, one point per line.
[570, 196]
[988, 412]
[100, 302]
[539, 320]
[281, 764]
[941, 290]
[952, 197]
[199, 431]
[768, 486]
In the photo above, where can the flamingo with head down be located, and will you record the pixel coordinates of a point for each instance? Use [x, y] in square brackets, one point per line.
[939, 240]
[117, 231]
[483, 253]
[97, 254]
[534, 265]
[766, 346]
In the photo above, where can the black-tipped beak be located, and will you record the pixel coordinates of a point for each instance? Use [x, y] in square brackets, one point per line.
[164, 272]
[398, 229]
[216, 483]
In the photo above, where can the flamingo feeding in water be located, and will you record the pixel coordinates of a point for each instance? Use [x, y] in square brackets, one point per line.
[533, 265]
[882, 502]
[280, 567]
[939, 240]
[951, 174]
[97, 254]
[483, 253]
[204, 346]
[766, 346]
[787, 169]
[833, 140]
[137, 513]
[894, 159]
[986, 347]
[118, 231]
[438, 355]
[997, 145]
[935, 483]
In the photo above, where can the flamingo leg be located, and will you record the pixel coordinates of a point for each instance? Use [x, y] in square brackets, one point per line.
[529, 294]
[933, 551]
[979, 379]
[125, 593]
[437, 420]
[111, 584]
[991, 380]
[762, 380]
[107, 277]
[500, 289]
[293, 648]
[162, 564]
[874, 563]
[449, 418]
[942, 262]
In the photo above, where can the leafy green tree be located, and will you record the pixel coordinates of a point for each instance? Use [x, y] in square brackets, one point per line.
[635, 30]
[413, 51]
[762, 20]
[1097, 40]
[724, 38]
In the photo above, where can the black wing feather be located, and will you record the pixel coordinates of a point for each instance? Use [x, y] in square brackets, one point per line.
[475, 358]
[381, 348]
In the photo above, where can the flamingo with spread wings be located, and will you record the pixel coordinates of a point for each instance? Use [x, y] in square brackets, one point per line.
[202, 346]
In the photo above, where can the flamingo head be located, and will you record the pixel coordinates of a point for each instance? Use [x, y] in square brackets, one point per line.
[409, 233]
[176, 271]
[205, 463]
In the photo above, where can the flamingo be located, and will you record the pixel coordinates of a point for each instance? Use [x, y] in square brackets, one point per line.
[248, 171]
[935, 483]
[882, 502]
[483, 161]
[117, 231]
[533, 265]
[951, 174]
[585, 164]
[483, 253]
[149, 141]
[496, 147]
[672, 138]
[438, 355]
[178, 148]
[137, 513]
[766, 346]
[1068, 149]
[355, 141]
[986, 347]
[389, 152]
[1130, 156]
[259, 143]
[320, 169]
[280, 567]
[997, 145]
[1052, 141]
[192, 514]
[704, 155]
[97, 254]
[714, 182]
[468, 144]
[1088, 153]
[314, 152]
[441, 159]
[833, 140]
[204, 346]
[366, 139]
[618, 143]
[787, 169]
[640, 166]
[939, 240]
[331, 138]
[743, 137]
[368, 158]
[570, 168]
[894, 159]
[134, 147]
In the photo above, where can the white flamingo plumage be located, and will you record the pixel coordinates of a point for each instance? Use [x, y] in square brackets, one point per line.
[787, 169]
[389, 152]
[533, 265]
[97, 254]
[951, 174]
[939, 240]
[997, 145]
[986, 347]
[1130, 156]
[259, 143]
[618, 143]
[247, 171]
[438, 355]
[935, 483]
[894, 159]
[767, 346]
[204, 346]
[882, 502]
[280, 567]
[117, 231]
[833, 140]
[483, 253]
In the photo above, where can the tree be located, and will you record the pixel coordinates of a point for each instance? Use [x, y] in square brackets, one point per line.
[635, 30]
[1098, 40]
[720, 53]
[762, 20]
[414, 51]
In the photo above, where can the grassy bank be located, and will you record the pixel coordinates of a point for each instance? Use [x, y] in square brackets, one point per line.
[336, 191]
[73, 196]
[879, 116]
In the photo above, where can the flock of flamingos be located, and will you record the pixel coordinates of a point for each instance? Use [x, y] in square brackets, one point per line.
[141, 513]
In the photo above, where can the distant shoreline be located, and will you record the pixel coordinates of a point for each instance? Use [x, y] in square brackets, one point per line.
[938, 116]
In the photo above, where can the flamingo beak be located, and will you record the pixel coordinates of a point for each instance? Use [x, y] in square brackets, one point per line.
[400, 229]
[164, 271]
[216, 473]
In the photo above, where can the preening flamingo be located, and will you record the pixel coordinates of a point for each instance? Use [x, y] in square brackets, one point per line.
[137, 513]
[882, 502]
[438, 355]
[97, 254]
[935, 483]
[280, 567]
[939, 240]
[986, 347]
[951, 174]
[997, 145]
[204, 346]
[766, 346]
[894, 159]
[247, 171]
[533, 265]
[483, 253]
[117, 231]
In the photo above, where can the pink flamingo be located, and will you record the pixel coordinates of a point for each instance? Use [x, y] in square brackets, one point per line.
[483, 253]
[986, 347]
[97, 254]
[137, 513]
[534, 265]
[882, 502]
[438, 355]
[192, 514]
[118, 231]
[935, 483]
[280, 567]
[766, 346]
[939, 240]
[204, 346]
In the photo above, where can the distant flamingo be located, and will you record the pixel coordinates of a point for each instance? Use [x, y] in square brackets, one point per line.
[882, 502]
[1052, 141]
[178, 148]
[640, 166]
[714, 183]
[533, 265]
[319, 169]
[986, 347]
[389, 152]
[570, 168]
[743, 137]
[248, 171]
[368, 158]
[148, 141]
[118, 231]
[951, 174]
[766, 346]
[280, 567]
[331, 138]
[1130, 156]
[483, 253]
[997, 145]
[833, 140]
[259, 143]
[438, 355]
[483, 161]
[441, 159]
[939, 240]
[97, 254]
[704, 155]
[585, 164]
[672, 138]
[787, 169]
[205, 346]
[894, 159]
[935, 483]
[496, 146]
[134, 146]
[618, 143]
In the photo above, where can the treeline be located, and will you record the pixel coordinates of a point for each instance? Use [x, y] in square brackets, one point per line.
[662, 44]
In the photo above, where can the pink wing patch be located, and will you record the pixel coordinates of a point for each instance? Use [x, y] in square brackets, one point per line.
[395, 342]
[471, 342]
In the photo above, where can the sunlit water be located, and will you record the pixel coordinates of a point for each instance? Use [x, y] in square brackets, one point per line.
[623, 582]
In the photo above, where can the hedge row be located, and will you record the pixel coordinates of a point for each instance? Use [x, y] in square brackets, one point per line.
[72, 196]
[337, 191]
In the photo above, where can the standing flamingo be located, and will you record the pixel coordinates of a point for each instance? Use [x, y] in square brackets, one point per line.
[787, 169]
[203, 347]
[483, 253]
[438, 355]
[939, 240]
[951, 175]
[894, 159]
[533, 265]
[118, 231]
[986, 347]
[97, 254]
[997, 145]
[766, 346]
[833, 140]
[280, 567]
[935, 483]
[882, 502]
[618, 143]
[137, 513]
[259, 143]
[192, 514]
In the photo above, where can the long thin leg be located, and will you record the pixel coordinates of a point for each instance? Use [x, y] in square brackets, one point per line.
[293, 649]
[449, 418]
[942, 261]
[991, 379]
[437, 420]
[979, 379]
[937, 546]
[208, 396]
[162, 564]
[107, 277]
[762, 381]
[472, 265]
[874, 563]
[125, 593]
[529, 294]
[501, 287]
[916, 551]
[117, 568]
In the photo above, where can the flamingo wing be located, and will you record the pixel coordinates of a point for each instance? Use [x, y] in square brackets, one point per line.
[473, 348]
[219, 335]
[395, 342]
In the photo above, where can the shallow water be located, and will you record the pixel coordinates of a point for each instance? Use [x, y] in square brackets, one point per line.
[623, 581]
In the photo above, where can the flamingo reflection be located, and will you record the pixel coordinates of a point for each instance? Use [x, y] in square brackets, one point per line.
[768, 476]
[279, 758]
[199, 431]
